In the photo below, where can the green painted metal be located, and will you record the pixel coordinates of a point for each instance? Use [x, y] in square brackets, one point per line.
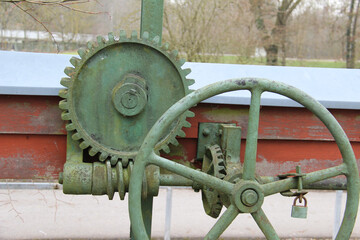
[230, 143]
[208, 135]
[174, 180]
[299, 177]
[124, 89]
[252, 135]
[130, 95]
[152, 17]
[147, 207]
[214, 164]
[128, 99]
[239, 193]
[224, 221]
[298, 211]
[77, 176]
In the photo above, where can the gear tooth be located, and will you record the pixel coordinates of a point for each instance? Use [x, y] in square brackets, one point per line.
[114, 160]
[190, 82]
[181, 133]
[165, 148]
[221, 163]
[70, 71]
[103, 156]
[66, 82]
[93, 151]
[84, 145]
[70, 127]
[156, 40]
[75, 61]
[165, 46]
[186, 71]
[65, 116]
[90, 45]
[82, 52]
[181, 62]
[125, 161]
[174, 142]
[64, 105]
[190, 114]
[111, 37]
[122, 35]
[134, 35]
[100, 40]
[76, 136]
[145, 36]
[174, 53]
[187, 124]
[220, 168]
[63, 93]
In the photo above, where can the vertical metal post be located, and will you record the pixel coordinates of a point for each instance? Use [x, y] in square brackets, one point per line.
[168, 213]
[337, 215]
[151, 22]
[152, 17]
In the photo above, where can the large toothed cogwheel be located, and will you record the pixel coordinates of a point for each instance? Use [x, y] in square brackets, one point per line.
[116, 91]
[213, 164]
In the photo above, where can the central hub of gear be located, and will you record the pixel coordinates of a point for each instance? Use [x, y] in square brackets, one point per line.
[129, 100]
[129, 96]
[247, 196]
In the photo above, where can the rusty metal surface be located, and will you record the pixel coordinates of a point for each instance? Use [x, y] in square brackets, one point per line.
[38, 157]
[30, 115]
[309, 144]
[40, 115]
[277, 122]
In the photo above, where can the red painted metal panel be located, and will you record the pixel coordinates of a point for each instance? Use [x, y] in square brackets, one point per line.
[30, 115]
[41, 115]
[38, 157]
[33, 141]
[279, 156]
[277, 122]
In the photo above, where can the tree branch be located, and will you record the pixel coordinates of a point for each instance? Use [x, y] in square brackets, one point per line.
[38, 21]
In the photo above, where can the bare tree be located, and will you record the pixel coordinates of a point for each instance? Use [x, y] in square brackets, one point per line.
[192, 26]
[273, 34]
[48, 14]
[351, 33]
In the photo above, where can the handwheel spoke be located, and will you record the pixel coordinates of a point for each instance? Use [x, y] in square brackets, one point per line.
[264, 224]
[252, 136]
[192, 174]
[291, 183]
[224, 221]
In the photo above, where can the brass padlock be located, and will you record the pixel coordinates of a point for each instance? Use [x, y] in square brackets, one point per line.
[299, 211]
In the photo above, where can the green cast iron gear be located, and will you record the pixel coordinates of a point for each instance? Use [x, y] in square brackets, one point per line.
[116, 91]
[213, 164]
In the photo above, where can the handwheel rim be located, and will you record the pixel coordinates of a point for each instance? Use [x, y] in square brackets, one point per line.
[262, 85]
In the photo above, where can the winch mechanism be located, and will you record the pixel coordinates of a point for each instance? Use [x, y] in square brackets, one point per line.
[127, 98]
